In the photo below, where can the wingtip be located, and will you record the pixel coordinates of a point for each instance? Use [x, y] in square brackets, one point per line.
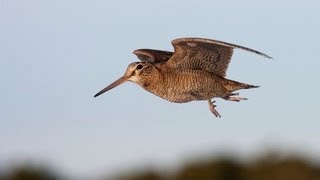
[135, 51]
[267, 56]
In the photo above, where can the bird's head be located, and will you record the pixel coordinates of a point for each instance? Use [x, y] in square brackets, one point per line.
[137, 72]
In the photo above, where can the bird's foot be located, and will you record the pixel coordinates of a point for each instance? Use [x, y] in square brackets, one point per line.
[213, 109]
[231, 97]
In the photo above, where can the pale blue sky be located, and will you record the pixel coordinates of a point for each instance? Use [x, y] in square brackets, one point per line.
[55, 55]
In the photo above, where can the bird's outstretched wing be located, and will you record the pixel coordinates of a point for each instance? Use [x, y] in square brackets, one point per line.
[152, 55]
[204, 54]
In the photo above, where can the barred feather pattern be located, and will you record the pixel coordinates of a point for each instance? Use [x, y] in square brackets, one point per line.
[187, 85]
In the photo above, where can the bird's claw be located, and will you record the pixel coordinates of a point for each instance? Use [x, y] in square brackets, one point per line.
[213, 109]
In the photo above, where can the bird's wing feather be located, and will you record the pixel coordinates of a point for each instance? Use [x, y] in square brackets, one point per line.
[204, 54]
[152, 55]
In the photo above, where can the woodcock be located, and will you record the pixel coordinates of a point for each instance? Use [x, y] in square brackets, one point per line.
[196, 70]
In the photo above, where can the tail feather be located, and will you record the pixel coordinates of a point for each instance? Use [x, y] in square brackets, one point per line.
[231, 85]
[248, 86]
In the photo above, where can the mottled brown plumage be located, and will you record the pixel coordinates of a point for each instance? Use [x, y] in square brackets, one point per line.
[196, 70]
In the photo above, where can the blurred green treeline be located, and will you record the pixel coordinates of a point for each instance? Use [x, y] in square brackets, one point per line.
[270, 166]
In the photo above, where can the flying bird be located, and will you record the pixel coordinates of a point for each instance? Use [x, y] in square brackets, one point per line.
[196, 70]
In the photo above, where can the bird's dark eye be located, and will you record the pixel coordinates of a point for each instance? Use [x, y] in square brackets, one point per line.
[139, 66]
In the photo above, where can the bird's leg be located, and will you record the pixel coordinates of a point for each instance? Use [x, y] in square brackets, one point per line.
[231, 97]
[212, 108]
[237, 99]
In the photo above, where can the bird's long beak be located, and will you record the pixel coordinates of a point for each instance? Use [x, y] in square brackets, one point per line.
[112, 85]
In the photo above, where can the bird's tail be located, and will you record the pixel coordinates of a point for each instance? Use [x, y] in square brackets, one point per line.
[248, 86]
[231, 85]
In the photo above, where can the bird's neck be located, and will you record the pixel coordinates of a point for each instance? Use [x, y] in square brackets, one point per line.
[154, 81]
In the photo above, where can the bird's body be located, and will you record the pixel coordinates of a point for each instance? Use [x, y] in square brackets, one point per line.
[187, 85]
[195, 71]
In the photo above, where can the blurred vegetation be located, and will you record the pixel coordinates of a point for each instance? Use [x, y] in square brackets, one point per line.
[29, 172]
[268, 167]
